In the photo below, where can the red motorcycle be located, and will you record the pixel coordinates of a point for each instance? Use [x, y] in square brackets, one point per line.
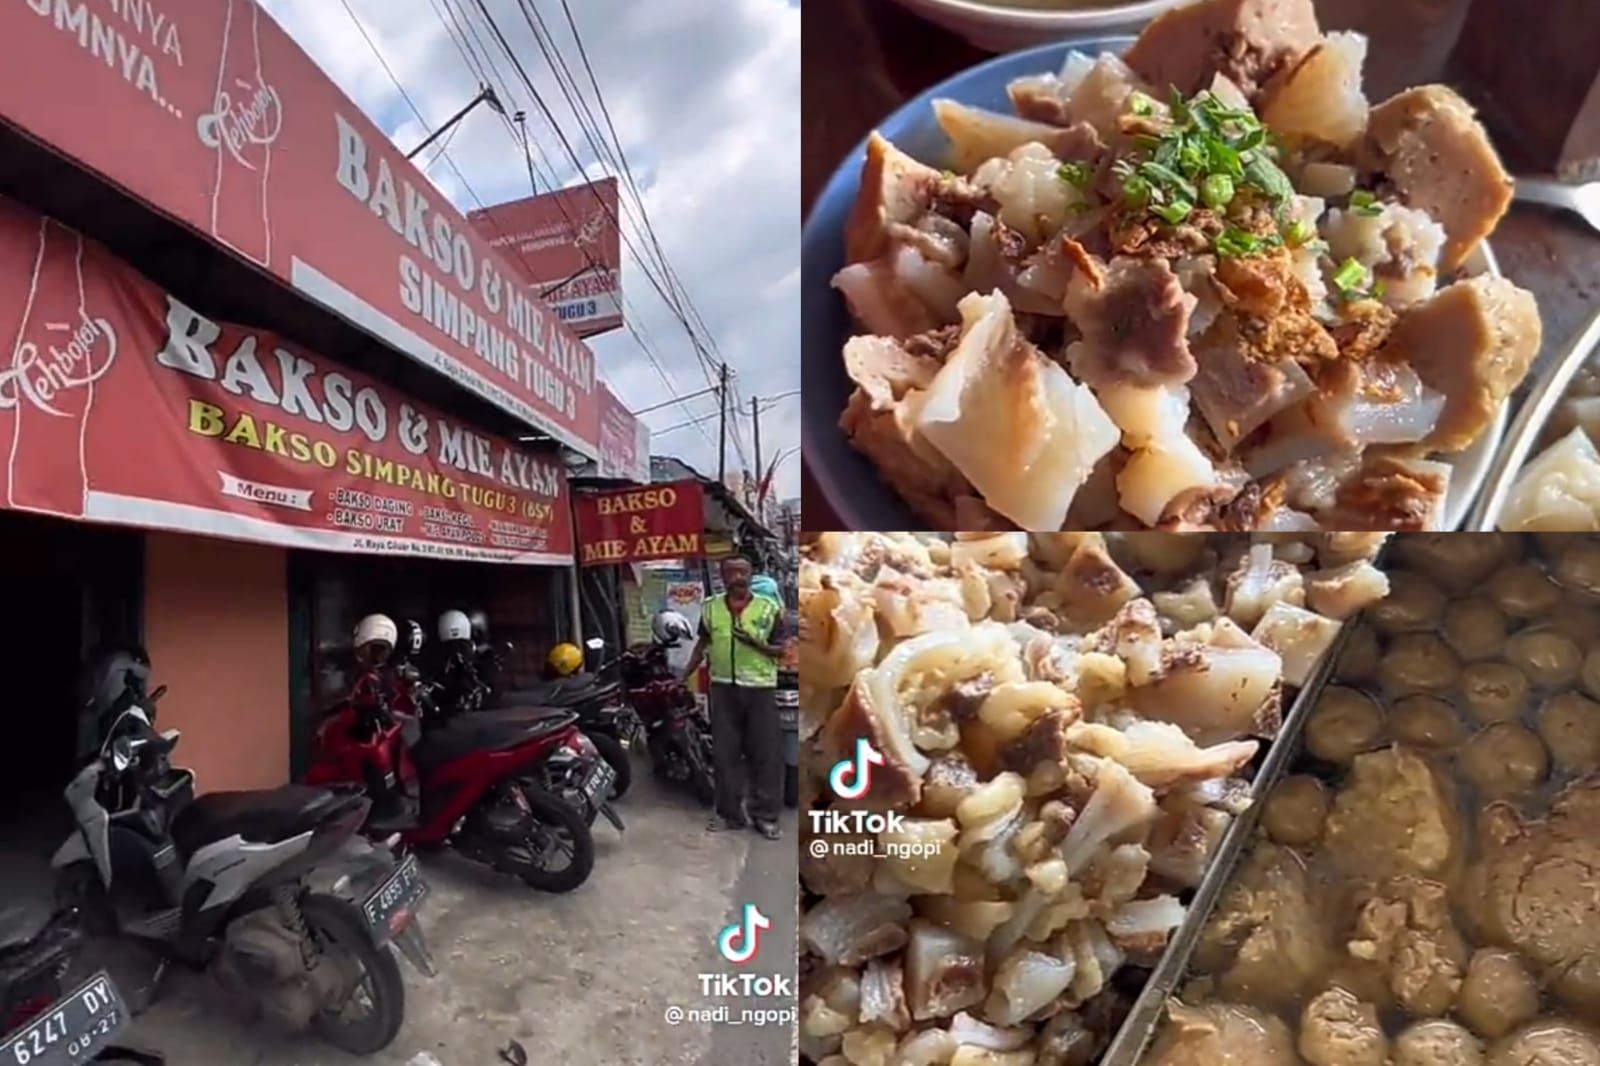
[677, 734]
[459, 783]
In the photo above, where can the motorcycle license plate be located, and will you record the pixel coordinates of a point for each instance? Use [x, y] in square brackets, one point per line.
[70, 1031]
[391, 905]
[598, 784]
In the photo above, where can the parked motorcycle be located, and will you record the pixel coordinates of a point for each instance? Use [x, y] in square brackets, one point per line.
[602, 708]
[43, 1024]
[461, 782]
[576, 771]
[270, 892]
[677, 733]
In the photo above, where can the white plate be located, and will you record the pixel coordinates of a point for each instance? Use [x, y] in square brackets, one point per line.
[1004, 29]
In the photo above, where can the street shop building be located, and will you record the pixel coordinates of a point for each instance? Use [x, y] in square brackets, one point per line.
[264, 380]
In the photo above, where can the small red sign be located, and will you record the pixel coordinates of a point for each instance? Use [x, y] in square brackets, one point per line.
[637, 525]
[567, 244]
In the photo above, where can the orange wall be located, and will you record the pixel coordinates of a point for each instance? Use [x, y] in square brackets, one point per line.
[217, 629]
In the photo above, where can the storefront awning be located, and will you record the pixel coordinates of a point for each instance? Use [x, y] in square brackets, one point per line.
[123, 404]
[212, 115]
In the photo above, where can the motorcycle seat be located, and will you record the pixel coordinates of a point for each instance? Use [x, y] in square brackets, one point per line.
[263, 816]
[481, 731]
[567, 691]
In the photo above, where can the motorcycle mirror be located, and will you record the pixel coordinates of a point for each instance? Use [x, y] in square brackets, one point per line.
[121, 754]
[594, 644]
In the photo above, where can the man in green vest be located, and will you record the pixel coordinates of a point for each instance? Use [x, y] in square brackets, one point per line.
[741, 636]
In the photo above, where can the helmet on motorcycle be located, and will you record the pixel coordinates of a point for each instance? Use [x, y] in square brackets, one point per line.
[376, 636]
[565, 659]
[480, 626]
[669, 627]
[454, 625]
[411, 640]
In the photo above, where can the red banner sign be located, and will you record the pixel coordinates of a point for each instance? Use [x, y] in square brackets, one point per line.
[208, 111]
[122, 404]
[624, 441]
[569, 248]
[637, 525]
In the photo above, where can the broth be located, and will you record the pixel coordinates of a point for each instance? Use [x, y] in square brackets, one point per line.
[1403, 843]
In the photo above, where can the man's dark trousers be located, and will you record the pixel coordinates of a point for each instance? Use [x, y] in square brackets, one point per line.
[745, 736]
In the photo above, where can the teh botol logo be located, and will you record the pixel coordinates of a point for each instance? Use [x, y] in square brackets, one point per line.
[48, 388]
[244, 121]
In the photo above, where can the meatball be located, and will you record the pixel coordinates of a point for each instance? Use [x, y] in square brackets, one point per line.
[1549, 1043]
[1414, 603]
[1455, 561]
[1437, 1043]
[1579, 985]
[1524, 591]
[1536, 883]
[1221, 1034]
[1418, 662]
[1475, 629]
[1591, 672]
[1569, 725]
[1343, 724]
[1337, 1029]
[1498, 994]
[1267, 937]
[1578, 565]
[1394, 815]
[1359, 659]
[1295, 810]
[1581, 622]
[1547, 657]
[1504, 759]
[1426, 722]
[1494, 691]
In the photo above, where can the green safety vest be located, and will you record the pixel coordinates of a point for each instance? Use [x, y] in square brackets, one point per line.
[732, 661]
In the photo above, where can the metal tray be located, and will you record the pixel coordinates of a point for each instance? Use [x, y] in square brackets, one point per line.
[1139, 1028]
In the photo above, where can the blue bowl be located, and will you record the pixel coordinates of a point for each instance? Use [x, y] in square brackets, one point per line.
[846, 478]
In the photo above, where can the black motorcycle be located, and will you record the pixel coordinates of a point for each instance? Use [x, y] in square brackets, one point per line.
[43, 1022]
[604, 715]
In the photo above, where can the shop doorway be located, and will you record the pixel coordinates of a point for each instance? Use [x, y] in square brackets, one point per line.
[70, 589]
[527, 606]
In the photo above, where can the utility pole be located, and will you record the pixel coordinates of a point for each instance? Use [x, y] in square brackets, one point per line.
[722, 446]
[485, 96]
[755, 431]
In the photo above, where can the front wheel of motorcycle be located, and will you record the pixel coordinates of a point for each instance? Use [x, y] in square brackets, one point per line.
[339, 931]
[562, 847]
[612, 751]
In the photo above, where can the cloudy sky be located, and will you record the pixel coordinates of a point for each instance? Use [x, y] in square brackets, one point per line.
[704, 95]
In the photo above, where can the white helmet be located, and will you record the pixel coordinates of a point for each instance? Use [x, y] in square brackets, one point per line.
[454, 625]
[669, 627]
[376, 629]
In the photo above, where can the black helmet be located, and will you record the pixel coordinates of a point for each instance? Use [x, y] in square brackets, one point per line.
[114, 679]
[411, 636]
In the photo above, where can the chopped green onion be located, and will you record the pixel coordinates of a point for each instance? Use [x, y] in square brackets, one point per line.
[1234, 242]
[1217, 190]
[1377, 289]
[1140, 104]
[1077, 174]
[1266, 175]
[1136, 191]
[1174, 212]
[1348, 278]
[1363, 202]
[1299, 232]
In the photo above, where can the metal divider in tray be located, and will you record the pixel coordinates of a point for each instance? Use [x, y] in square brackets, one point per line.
[1139, 1028]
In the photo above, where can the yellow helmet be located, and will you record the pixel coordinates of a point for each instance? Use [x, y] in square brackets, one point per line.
[565, 659]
